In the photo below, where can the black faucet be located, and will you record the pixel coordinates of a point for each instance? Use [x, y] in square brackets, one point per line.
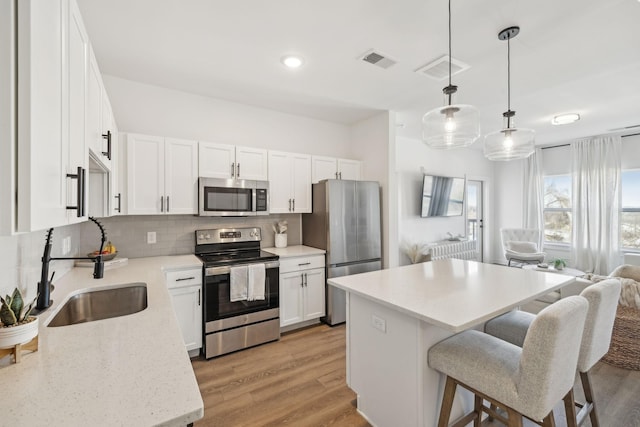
[44, 285]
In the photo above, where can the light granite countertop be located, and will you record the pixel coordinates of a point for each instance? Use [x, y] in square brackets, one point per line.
[451, 293]
[129, 370]
[295, 251]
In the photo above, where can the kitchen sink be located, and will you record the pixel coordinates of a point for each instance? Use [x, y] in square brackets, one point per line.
[89, 306]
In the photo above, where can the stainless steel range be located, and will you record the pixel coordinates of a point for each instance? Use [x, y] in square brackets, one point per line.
[233, 320]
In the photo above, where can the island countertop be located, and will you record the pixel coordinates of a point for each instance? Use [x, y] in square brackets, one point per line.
[128, 370]
[450, 293]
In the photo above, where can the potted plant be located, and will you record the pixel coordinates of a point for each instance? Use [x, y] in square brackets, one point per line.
[16, 327]
[280, 228]
[559, 264]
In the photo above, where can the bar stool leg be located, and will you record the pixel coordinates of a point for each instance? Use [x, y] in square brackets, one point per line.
[515, 418]
[477, 408]
[588, 394]
[447, 402]
[570, 409]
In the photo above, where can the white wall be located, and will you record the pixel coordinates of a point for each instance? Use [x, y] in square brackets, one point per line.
[412, 158]
[153, 110]
[370, 143]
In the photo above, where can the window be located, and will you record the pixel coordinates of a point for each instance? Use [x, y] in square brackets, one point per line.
[557, 209]
[630, 215]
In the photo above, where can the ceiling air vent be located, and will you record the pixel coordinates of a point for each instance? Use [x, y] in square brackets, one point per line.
[378, 59]
[439, 69]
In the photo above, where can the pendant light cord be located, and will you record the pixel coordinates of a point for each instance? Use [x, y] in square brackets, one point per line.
[449, 48]
[509, 74]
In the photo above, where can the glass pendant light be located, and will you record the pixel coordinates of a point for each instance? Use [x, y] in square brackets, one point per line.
[451, 126]
[509, 143]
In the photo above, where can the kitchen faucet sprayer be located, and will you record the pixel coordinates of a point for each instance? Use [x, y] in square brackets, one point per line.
[44, 285]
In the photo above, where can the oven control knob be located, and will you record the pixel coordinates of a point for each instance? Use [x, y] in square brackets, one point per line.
[200, 236]
[207, 236]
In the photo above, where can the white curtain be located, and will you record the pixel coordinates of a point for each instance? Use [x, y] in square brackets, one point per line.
[596, 203]
[532, 213]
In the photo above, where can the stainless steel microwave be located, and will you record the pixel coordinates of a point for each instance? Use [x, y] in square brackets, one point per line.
[232, 197]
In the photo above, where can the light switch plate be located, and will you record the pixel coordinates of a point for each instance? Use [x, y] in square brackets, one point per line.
[151, 237]
[379, 323]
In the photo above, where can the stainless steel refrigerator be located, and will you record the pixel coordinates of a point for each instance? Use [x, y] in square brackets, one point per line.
[346, 223]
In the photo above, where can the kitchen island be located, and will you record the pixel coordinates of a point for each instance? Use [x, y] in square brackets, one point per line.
[394, 316]
[128, 370]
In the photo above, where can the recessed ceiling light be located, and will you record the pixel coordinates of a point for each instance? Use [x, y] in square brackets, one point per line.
[565, 119]
[292, 61]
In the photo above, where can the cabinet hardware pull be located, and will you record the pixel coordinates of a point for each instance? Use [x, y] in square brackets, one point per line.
[185, 278]
[302, 280]
[340, 175]
[83, 206]
[305, 279]
[198, 297]
[304, 263]
[119, 197]
[80, 177]
[167, 204]
[238, 170]
[336, 175]
[289, 205]
[107, 136]
[294, 205]
[233, 169]
[161, 203]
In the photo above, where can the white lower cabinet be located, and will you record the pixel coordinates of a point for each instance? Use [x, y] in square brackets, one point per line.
[185, 287]
[302, 289]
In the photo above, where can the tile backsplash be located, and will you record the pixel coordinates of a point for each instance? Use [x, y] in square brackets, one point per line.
[175, 234]
[21, 254]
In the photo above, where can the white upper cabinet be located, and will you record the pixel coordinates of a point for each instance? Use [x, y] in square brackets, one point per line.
[332, 168]
[51, 58]
[181, 176]
[162, 175]
[289, 182]
[99, 115]
[230, 161]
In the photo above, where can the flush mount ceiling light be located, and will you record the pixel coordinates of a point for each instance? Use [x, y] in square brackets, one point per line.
[509, 143]
[565, 119]
[292, 61]
[451, 126]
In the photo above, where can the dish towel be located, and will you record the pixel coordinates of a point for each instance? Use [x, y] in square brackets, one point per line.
[256, 282]
[238, 287]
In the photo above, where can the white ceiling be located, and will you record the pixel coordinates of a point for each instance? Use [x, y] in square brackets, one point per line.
[570, 56]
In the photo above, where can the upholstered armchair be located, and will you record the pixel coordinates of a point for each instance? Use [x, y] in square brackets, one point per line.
[521, 245]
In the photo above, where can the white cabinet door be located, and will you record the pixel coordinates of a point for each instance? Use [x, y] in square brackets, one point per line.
[187, 304]
[181, 177]
[116, 202]
[280, 198]
[41, 179]
[94, 107]
[251, 163]
[349, 169]
[291, 289]
[289, 182]
[216, 160]
[301, 182]
[145, 174]
[314, 294]
[77, 60]
[323, 168]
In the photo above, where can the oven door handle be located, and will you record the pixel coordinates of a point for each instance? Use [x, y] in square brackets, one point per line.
[216, 271]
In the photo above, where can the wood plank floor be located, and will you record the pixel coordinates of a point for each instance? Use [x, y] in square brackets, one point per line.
[300, 381]
[297, 381]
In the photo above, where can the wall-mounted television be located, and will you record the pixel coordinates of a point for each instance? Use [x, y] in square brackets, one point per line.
[442, 196]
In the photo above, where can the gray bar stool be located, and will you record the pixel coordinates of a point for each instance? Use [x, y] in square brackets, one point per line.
[603, 301]
[525, 381]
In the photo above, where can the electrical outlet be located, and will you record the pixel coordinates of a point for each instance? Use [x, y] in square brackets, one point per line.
[151, 237]
[379, 323]
[66, 245]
